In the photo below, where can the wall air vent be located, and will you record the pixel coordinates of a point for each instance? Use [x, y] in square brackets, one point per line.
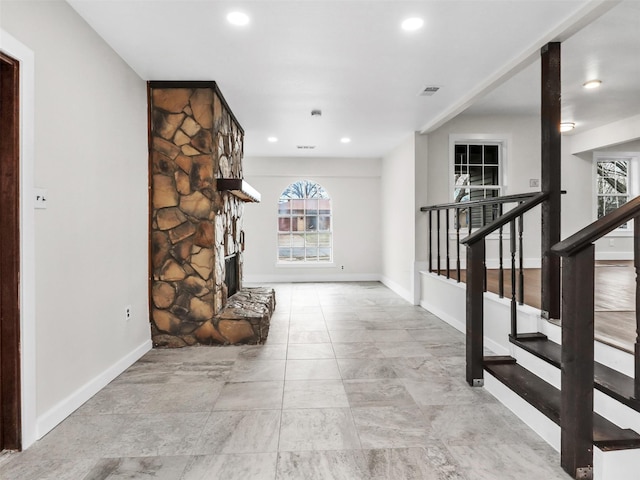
[429, 90]
[306, 147]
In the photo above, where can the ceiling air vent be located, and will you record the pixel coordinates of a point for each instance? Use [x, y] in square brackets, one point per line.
[306, 147]
[429, 90]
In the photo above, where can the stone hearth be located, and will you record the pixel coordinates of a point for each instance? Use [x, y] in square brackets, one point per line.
[195, 140]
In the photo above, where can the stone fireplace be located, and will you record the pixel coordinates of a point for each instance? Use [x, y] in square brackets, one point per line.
[197, 199]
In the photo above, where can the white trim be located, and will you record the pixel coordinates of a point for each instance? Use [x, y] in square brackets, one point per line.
[502, 139]
[310, 277]
[614, 255]
[398, 289]
[48, 420]
[633, 184]
[304, 264]
[615, 464]
[25, 56]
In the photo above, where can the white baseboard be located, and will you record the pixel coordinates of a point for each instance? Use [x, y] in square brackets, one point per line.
[614, 255]
[444, 316]
[48, 420]
[310, 277]
[398, 289]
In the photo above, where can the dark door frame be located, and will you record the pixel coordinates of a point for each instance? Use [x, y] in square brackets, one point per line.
[10, 393]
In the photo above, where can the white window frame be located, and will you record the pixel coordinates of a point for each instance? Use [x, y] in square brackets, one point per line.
[633, 184]
[502, 140]
[306, 263]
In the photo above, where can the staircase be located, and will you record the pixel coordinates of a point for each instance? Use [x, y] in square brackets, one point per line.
[594, 419]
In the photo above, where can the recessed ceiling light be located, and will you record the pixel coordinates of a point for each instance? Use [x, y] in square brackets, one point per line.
[592, 84]
[272, 139]
[238, 18]
[567, 126]
[345, 140]
[412, 24]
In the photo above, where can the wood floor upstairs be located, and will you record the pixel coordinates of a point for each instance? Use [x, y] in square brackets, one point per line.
[615, 298]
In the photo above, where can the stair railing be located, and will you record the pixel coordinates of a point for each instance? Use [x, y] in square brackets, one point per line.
[488, 210]
[578, 306]
[476, 271]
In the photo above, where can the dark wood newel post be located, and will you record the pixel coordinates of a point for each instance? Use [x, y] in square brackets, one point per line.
[475, 314]
[636, 264]
[576, 409]
[550, 160]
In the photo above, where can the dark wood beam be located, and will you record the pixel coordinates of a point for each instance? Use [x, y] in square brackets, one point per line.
[551, 163]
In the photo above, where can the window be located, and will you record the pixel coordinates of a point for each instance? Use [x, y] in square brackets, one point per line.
[304, 224]
[616, 181]
[611, 184]
[476, 176]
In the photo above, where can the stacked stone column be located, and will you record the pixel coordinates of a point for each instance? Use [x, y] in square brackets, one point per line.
[194, 139]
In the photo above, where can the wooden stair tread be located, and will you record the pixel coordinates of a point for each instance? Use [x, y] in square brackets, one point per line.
[607, 380]
[546, 398]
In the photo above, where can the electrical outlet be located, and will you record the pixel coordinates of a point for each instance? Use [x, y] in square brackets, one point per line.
[612, 242]
[127, 312]
[534, 182]
[342, 267]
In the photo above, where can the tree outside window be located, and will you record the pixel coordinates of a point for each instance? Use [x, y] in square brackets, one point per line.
[612, 180]
[304, 224]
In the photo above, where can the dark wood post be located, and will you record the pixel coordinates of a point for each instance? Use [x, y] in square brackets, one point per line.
[429, 245]
[475, 314]
[636, 264]
[576, 408]
[551, 155]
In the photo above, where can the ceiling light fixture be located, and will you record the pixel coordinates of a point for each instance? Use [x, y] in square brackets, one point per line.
[412, 24]
[567, 126]
[592, 84]
[238, 18]
[345, 140]
[272, 139]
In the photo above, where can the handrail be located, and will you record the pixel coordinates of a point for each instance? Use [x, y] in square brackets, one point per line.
[505, 218]
[474, 203]
[598, 229]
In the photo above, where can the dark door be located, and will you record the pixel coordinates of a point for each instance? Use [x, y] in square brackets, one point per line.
[10, 425]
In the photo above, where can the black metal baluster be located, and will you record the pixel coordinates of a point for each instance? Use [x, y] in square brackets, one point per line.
[521, 260]
[438, 240]
[500, 254]
[514, 311]
[483, 212]
[430, 232]
[446, 236]
[458, 244]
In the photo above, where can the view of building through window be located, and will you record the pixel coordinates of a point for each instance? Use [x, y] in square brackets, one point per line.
[304, 224]
[612, 180]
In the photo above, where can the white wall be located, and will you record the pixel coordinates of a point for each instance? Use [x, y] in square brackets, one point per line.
[580, 199]
[91, 242]
[522, 164]
[354, 187]
[399, 219]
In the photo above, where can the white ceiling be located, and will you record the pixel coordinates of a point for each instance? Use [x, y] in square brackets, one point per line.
[350, 59]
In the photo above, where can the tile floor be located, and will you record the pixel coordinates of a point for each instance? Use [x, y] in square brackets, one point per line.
[353, 383]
